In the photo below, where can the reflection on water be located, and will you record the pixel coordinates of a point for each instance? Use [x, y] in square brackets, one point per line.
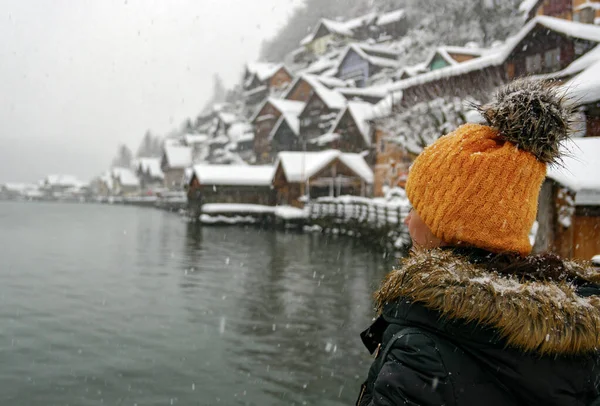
[117, 305]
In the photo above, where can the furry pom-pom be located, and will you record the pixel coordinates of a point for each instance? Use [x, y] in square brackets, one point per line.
[533, 114]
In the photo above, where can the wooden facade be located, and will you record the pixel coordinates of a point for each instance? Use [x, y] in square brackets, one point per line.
[283, 138]
[199, 194]
[391, 163]
[542, 50]
[316, 119]
[335, 179]
[301, 90]
[567, 229]
[264, 122]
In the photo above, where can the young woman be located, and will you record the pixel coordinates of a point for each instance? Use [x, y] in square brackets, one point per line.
[471, 318]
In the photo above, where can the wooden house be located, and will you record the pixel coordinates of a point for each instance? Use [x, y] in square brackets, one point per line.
[451, 55]
[544, 46]
[585, 89]
[125, 182]
[360, 63]
[149, 174]
[352, 130]
[174, 161]
[583, 11]
[320, 110]
[569, 204]
[328, 33]
[300, 176]
[285, 136]
[269, 117]
[246, 184]
[391, 163]
[262, 79]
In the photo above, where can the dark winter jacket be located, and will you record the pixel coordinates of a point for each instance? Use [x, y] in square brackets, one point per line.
[466, 329]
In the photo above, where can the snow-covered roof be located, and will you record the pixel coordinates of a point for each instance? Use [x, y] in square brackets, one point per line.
[301, 166]
[373, 60]
[334, 27]
[585, 87]
[390, 17]
[151, 166]
[324, 139]
[498, 55]
[331, 98]
[227, 118]
[237, 175]
[61, 180]
[193, 139]
[527, 5]
[19, 187]
[239, 129]
[580, 169]
[588, 4]
[292, 121]
[178, 156]
[362, 113]
[125, 176]
[263, 70]
[284, 106]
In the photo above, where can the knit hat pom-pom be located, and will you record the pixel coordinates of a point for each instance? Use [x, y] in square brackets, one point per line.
[532, 114]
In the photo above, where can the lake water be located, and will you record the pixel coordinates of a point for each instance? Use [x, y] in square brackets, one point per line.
[113, 305]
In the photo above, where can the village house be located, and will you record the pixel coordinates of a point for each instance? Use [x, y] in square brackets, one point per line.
[124, 182]
[329, 34]
[362, 63]
[301, 176]
[199, 145]
[451, 55]
[545, 45]
[321, 110]
[583, 11]
[103, 185]
[264, 79]
[569, 204]
[351, 132]
[246, 184]
[585, 89]
[271, 117]
[149, 174]
[174, 161]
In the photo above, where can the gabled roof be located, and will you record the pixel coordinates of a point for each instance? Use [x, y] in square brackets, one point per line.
[263, 70]
[373, 60]
[291, 120]
[498, 56]
[588, 4]
[61, 180]
[331, 98]
[151, 166]
[300, 166]
[585, 87]
[282, 105]
[236, 175]
[178, 156]
[361, 113]
[391, 17]
[334, 27]
[193, 139]
[125, 176]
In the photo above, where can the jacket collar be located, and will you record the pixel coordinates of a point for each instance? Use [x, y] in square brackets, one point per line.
[542, 316]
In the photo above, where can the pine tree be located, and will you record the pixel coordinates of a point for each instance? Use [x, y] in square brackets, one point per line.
[124, 158]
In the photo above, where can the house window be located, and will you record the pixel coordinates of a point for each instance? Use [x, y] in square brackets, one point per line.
[533, 63]
[382, 146]
[552, 59]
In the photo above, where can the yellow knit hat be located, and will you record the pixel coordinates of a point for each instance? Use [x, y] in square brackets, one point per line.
[479, 185]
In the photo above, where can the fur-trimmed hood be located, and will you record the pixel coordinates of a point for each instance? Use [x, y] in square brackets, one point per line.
[543, 316]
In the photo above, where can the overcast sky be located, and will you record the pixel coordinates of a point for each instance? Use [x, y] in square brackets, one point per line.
[78, 77]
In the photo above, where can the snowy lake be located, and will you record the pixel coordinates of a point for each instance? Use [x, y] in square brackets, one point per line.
[114, 305]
